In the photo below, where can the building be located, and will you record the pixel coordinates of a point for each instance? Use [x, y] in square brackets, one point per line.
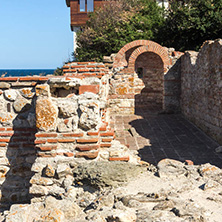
[79, 10]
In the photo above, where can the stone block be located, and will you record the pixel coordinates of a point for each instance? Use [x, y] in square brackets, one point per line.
[10, 94]
[21, 104]
[27, 93]
[46, 114]
[4, 85]
[42, 90]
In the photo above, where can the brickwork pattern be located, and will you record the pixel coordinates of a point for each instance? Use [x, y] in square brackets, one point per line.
[39, 120]
[85, 69]
[157, 137]
[201, 98]
[161, 86]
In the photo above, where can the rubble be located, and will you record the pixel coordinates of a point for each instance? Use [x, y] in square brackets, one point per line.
[90, 194]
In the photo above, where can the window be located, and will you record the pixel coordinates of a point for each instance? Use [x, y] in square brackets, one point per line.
[82, 5]
[140, 72]
[90, 5]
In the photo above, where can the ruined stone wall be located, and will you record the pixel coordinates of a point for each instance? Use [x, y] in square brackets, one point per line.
[50, 124]
[17, 137]
[146, 75]
[45, 117]
[201, 98]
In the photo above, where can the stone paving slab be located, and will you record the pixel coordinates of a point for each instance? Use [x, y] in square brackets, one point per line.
[157, 136]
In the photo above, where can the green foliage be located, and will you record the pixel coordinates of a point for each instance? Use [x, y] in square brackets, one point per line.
[117, 24]
[185, 26]
[58, 71]
[191, 22]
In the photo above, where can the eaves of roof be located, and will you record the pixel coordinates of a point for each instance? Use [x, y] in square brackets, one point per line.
[68, 3]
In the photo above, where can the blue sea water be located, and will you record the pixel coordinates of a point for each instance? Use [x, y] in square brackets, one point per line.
[25, 72]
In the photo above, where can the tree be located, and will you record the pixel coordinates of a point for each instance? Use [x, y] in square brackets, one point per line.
[185, 26]
[118, 23]
[191, 22]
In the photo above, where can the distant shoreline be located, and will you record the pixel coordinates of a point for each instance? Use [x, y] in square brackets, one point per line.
[25, 72]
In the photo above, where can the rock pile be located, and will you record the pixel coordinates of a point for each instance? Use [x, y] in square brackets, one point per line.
[124, 192]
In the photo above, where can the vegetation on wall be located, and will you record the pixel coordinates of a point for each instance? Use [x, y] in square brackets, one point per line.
[185, 26]
[58, 71]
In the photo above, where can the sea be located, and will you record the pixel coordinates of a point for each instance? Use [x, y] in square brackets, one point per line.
[25, 72]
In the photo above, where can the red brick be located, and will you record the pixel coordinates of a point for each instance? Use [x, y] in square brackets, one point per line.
[6, 134]
[83, 70]
[40, 141]
[66, 67]
[13, 146]
[46, 135]
[2, 129]
[72, 134]
[100, 66]
[3, 144]
[189, 162]
[66, 140]
[82, 63]
[88, 155]
[19, 139]
[93, 133]
[105, 145]
[4, 140]
[77, 67]
[72, 70]
[89, 88]
[91, 140]
[87, 147]
[20, 129]
[52, 140]
[91, 66]
[102, 128]
[43, 78]
[107, 139]
[47, 154]
[88, 74]
[33, 78]
[68, 154]
[66, 121]
[119, 158]
[9, 78]
[47, 148]
[111, 133]
[28, 145]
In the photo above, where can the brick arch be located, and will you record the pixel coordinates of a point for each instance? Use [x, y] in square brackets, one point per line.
[157, 49]
[150, 46]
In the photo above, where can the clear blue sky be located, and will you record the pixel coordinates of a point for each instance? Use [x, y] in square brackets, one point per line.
[34, 34]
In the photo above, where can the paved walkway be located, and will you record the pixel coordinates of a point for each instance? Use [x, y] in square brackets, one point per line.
[158, 136]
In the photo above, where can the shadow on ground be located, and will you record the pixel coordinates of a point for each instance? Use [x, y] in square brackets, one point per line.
[160, 136]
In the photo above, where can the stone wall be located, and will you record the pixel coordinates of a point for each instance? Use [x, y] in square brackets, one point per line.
[145, 75]
[50, 124]
[201, 98]
[17, 137]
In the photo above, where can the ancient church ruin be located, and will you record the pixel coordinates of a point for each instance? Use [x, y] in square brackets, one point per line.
[48, 124]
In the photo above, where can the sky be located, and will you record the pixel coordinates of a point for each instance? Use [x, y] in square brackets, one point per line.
[34, 34]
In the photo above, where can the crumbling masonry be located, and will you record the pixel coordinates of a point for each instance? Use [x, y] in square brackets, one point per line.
[50, 124]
